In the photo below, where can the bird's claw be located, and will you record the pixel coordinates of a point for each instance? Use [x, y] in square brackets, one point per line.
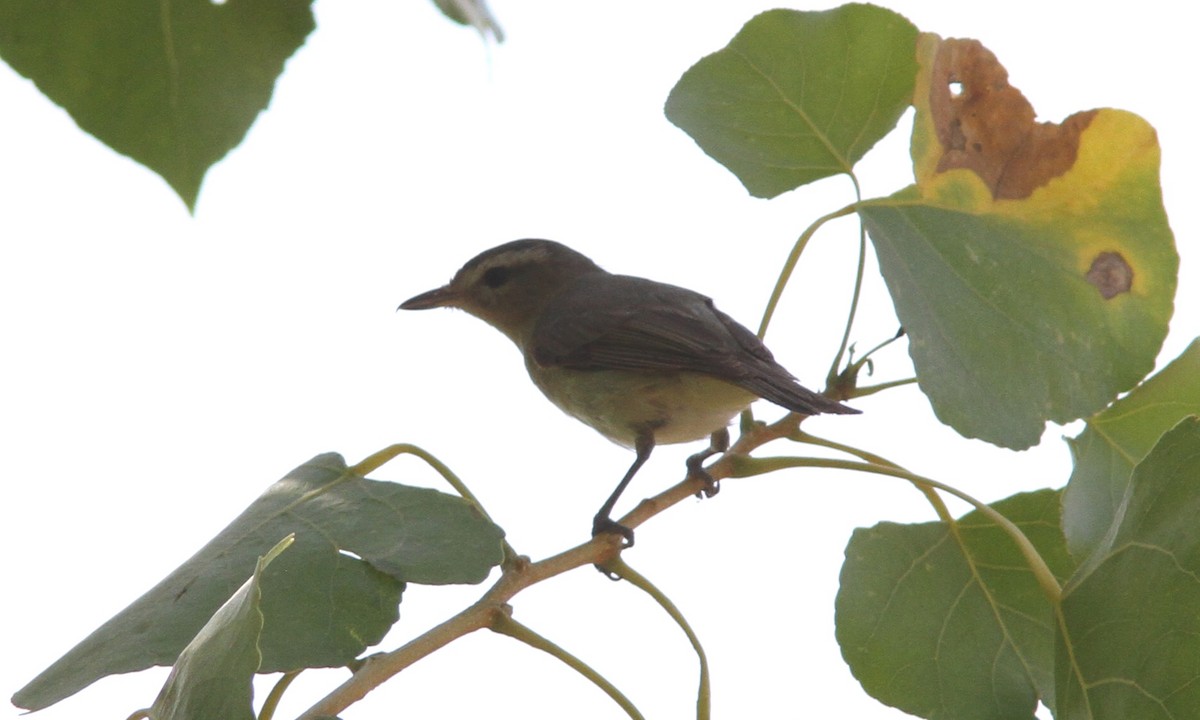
[602, 524]
[695, 464]
[711, 486]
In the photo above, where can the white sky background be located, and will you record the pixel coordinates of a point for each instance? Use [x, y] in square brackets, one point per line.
[160, 370]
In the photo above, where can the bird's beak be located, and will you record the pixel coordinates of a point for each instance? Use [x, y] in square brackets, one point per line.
[445, 296]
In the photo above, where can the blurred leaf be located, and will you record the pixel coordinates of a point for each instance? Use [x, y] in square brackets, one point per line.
[212, 677]
[175, 86]
[953, 625]
[1031, 265]
[1117, 439]
[1130, 643]
[798, 96]
[472, 13]
[333, 594]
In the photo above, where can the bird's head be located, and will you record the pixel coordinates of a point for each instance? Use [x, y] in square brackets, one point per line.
[510, 285]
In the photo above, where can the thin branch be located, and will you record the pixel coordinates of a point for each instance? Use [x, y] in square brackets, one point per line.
[604, 550]
[518, 575]
[375, 670]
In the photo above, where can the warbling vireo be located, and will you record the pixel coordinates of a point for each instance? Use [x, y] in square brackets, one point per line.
[642, 362]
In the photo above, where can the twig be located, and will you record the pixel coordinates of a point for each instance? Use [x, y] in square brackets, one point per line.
[517, 576]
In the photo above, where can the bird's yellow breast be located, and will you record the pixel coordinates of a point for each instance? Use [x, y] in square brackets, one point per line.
[677, 406]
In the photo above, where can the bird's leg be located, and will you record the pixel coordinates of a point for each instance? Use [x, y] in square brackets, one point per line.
[603, 522]
[718, 443]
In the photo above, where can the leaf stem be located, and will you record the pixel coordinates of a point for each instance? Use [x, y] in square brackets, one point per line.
[504, 624]
[880, 387]
[831, 377]
[789, 265]
[704, 693]
[939, 505]
[271, 704]
[380, 458]
[520, 573]
[745, 467]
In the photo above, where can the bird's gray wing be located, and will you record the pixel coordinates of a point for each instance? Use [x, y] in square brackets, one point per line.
[617, 322]
[620, 322]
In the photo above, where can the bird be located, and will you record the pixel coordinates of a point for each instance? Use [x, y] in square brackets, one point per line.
[642, 362]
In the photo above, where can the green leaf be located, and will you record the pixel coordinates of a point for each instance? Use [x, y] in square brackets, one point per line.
[1130, 645]
[212, 677]
[798, 96]
[173, 85]
[1116, 440]
[1033, 287]
[331, 596]
[952, 624]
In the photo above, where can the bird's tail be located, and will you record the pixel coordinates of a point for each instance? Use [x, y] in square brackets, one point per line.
[784, 391]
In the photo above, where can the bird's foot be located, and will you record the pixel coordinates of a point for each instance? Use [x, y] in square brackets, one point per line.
[602, 524]
[711, 486]
[718, 444]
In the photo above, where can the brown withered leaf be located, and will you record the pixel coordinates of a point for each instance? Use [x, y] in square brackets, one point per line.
[986, 125]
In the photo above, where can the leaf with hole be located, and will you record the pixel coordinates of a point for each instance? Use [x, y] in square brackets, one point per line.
[1031, 265]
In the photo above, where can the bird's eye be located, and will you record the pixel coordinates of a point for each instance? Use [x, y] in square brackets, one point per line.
[495, 277]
